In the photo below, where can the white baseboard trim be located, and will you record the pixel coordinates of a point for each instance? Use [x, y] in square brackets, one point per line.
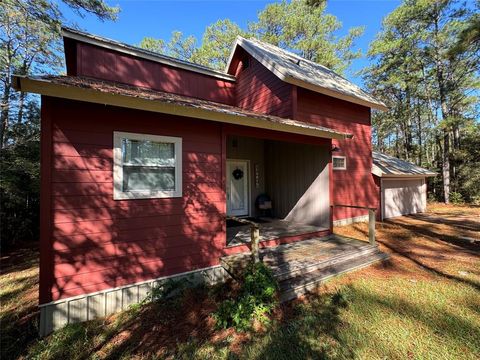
[56, 314]
[348, 221]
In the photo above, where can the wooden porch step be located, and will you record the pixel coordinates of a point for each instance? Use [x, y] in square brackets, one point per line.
[297, 268]
[303, 282]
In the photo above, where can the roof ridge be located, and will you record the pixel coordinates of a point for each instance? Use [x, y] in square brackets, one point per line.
[290, 53]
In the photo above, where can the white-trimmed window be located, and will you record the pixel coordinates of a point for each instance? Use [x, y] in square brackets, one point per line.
[146, 166]
[339, 162]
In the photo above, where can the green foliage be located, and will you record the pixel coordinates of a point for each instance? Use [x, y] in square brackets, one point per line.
[179, 47]
[431, 87]
[29, 43]
[151, 44]
[217, 42]
[255, 300]
[20, 183]
[456, 198]
[467, 162]
[304, 27]
[169, 289]
[301, 26]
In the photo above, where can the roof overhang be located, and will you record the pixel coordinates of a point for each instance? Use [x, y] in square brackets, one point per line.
[298, 82]
[142, 53]
[378, 172]
[226, 114]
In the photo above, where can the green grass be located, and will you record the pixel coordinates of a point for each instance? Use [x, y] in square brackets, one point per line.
[368, 319]
[423, 304]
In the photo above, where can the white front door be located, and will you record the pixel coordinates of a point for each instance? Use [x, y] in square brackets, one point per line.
[237, 188]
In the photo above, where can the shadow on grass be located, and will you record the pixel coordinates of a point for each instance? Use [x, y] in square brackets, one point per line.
[426, 230]
[23, 257]
[452, 327]
[311, 331]
[19, 314]
[407, 253]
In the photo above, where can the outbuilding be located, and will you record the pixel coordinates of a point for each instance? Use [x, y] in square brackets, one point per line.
[402, 186]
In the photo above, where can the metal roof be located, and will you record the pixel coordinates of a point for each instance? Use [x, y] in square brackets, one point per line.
[388, 166]
[117, 94]
[296, 70]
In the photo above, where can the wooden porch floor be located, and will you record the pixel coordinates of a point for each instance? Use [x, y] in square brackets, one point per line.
[301, 266]
[269, 229]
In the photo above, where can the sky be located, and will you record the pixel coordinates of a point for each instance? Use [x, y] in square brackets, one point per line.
[158, 18]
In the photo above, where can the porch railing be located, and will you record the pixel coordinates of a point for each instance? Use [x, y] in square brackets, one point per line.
[371, 219]
[254, 236]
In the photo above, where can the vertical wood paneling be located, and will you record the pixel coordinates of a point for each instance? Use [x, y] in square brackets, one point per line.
[354, 186]
[297, 180]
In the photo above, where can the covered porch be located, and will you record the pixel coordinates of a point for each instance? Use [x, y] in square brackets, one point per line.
[280, 184]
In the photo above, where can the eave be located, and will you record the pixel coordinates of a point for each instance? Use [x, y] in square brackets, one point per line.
[223, 114]
[282, 75]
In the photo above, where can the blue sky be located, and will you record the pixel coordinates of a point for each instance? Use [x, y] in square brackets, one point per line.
[158, 18]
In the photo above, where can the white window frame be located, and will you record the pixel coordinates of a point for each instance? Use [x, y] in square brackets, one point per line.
[118, 193]
[344, 167]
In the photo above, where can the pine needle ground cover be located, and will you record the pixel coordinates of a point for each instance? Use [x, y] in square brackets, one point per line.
[424, 303]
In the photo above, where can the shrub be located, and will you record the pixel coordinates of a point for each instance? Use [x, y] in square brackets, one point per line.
[171, 288]
[456, 198]
[256, 298]
[476, 200]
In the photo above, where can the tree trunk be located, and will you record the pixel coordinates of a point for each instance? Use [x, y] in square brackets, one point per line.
[443, 108]
[4, 113]
[419, 135]
[21, 101]
[446, 166]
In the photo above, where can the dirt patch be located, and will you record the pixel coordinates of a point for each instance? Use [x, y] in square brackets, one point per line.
[445, 241]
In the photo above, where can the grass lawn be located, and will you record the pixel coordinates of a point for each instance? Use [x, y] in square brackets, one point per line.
[424, 303]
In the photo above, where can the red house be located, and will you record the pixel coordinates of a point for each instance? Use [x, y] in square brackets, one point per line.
[144, 156]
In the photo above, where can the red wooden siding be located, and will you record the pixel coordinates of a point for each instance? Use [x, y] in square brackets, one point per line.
[91, 242]
[354, 186]
[258, 89]
[97, 62]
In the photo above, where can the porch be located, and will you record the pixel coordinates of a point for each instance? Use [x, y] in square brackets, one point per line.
[280, 184]
[302, 266]
[239, 233]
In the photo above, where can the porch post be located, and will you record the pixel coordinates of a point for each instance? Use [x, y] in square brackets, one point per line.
[254, 239]
[371, 226]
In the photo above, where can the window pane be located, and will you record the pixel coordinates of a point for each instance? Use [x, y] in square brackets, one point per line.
[139, 152]
[136, 178]
[338, 162]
